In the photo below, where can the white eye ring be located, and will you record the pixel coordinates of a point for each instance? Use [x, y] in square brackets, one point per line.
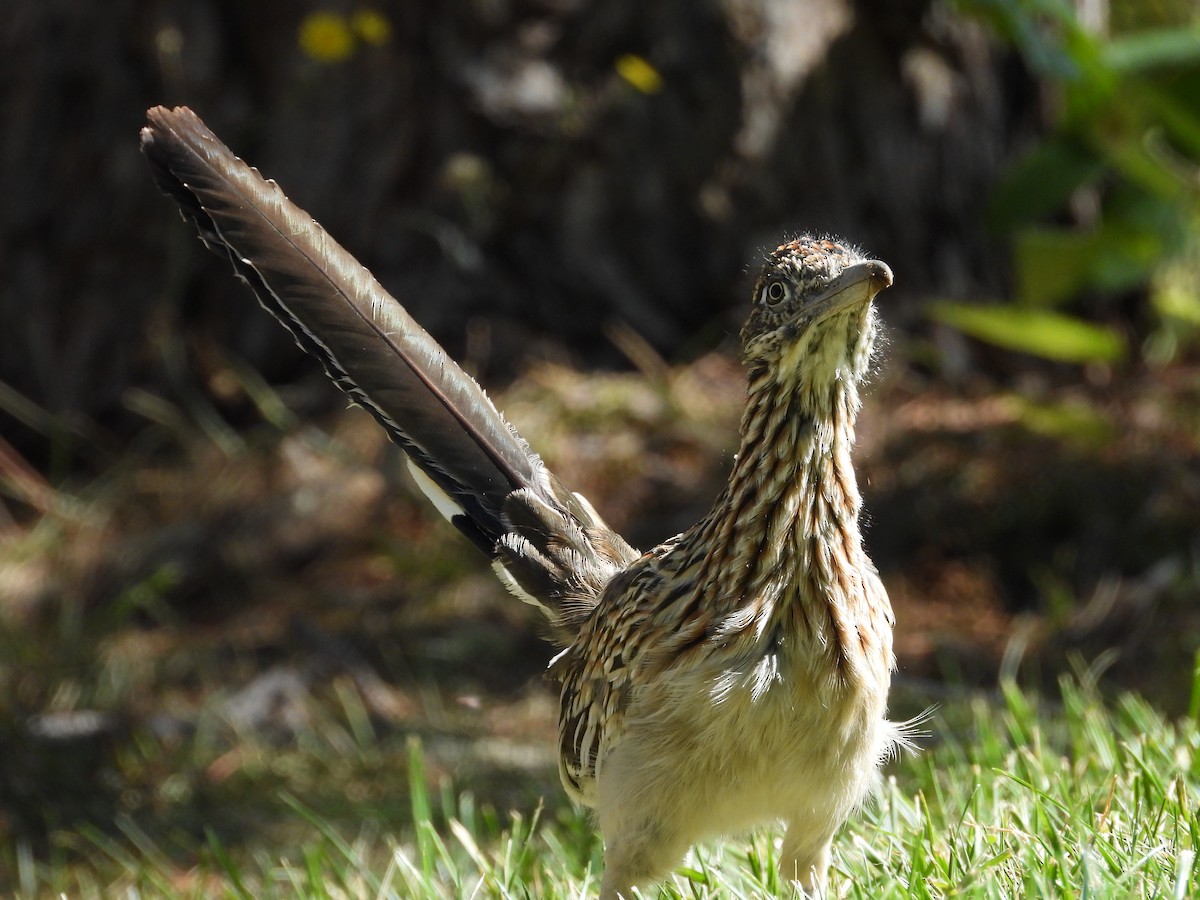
[774, 292]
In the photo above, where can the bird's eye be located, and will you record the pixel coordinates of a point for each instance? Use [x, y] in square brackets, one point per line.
[774, 292]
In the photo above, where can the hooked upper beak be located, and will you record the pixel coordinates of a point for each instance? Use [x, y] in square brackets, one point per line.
[856, 285]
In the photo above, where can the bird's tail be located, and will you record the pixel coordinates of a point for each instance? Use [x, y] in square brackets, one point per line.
[548, 544]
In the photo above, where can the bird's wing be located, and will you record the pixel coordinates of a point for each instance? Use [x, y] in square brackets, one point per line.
[548, 543]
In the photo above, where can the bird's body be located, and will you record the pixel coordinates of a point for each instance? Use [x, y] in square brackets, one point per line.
[736, 674]
[752, 653]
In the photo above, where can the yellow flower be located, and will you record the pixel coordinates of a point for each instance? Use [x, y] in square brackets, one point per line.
[638, 72]
[371, 25]
[326, 37]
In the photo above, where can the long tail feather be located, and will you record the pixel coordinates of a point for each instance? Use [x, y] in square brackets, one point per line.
[472, 460]
[338, 312]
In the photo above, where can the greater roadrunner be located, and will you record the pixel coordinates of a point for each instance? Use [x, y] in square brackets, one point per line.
[737, 673]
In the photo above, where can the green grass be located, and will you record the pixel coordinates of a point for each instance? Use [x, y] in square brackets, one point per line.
[1014, 796]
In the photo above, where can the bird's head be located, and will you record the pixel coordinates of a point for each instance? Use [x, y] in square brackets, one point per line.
[812, 321]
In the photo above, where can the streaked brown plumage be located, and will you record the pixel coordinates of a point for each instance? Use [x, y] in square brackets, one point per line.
[734, 675]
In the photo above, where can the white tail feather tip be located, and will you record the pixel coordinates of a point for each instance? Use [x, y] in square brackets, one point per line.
[514, 587]
[439, 498]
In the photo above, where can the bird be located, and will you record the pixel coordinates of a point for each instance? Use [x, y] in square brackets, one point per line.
[736, 674]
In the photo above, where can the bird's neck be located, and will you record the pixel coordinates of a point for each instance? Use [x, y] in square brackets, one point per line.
[792, 480]
[781, 544]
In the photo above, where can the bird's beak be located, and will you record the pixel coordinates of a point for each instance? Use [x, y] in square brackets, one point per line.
[855, 286]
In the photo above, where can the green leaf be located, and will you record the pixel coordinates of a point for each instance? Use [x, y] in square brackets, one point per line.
[1052, 264]
[1175, 294]
[1072, 422]
[1042, 182]
[1153, 48]
[1040, 332]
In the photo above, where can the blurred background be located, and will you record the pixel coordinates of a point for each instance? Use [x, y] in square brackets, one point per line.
[216, 586]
